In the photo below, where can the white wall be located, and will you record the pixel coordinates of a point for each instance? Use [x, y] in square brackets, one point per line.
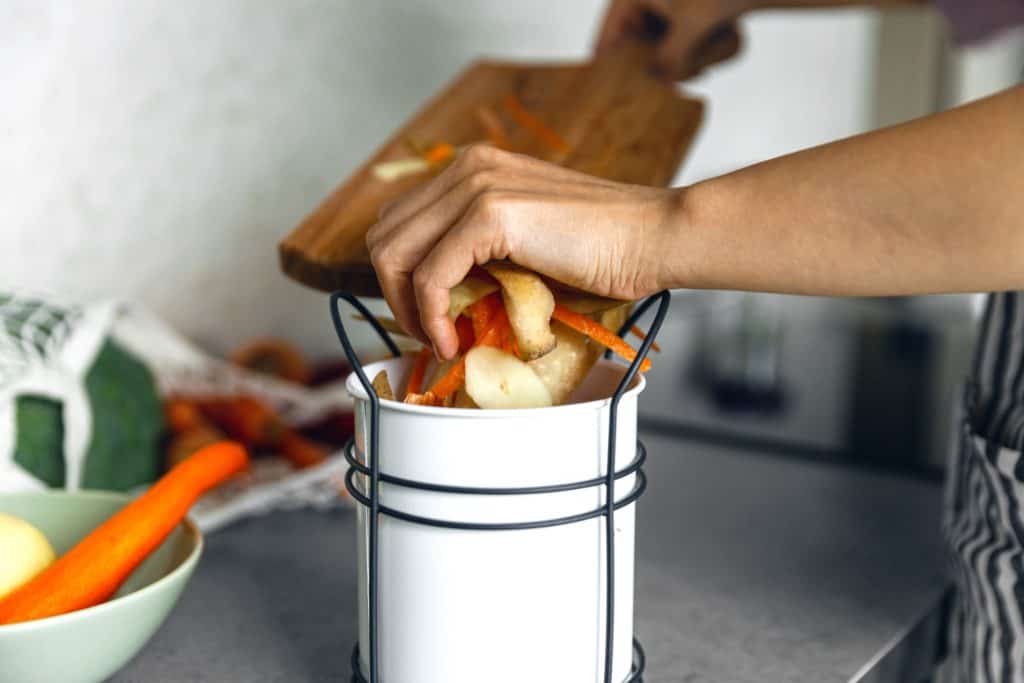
[803, 79]
[158, 150]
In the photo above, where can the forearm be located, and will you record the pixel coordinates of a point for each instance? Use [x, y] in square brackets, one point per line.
[935, 205]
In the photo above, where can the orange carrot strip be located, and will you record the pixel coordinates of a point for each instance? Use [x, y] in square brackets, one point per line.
[643, 335]
[428, 398]
[93, 570]
[482, 312]
[497, 331]
[419, 370]
[533, 124]
[494, 128]
[439, 153]
[464, 328]
[599, 333]
[451, 381]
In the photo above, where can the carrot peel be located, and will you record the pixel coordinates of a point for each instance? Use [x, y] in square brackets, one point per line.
[464, 329]
[93, 570]
[440, 153]
[497, 333]
[643, 335]
[533, 124]
[493, 127]
[419, 370]
[451, 381]
[599, 333]
[428, 398]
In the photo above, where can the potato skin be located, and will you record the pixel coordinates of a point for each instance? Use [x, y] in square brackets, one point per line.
[529, 304]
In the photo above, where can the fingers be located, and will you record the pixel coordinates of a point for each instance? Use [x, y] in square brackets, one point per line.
[471, 160]
[479, 236]
[409, 247]
[410, 228]
[397, 243]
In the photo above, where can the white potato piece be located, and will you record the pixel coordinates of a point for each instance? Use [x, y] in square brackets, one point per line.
[468, 292]
[564, 368]
[496, 380]
[529, 304]
[390, 171]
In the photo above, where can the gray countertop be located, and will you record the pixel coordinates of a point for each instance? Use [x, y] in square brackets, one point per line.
[750, 568]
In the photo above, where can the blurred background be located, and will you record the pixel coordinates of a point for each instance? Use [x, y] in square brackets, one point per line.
[158, 151]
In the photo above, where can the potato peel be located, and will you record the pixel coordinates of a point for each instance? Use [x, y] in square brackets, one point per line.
[496, 380]
[529, 304]
[564, 368]
[466, 293]
[382, 386]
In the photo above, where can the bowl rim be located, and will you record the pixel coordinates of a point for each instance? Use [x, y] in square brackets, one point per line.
[191, 531]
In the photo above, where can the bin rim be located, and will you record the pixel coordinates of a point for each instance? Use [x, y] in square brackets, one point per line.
[355, 389]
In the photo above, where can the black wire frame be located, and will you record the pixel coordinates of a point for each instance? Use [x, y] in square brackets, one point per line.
[372, 500]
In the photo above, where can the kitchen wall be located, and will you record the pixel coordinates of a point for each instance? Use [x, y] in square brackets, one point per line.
[157, 151]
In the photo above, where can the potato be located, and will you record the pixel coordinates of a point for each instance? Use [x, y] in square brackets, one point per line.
[564, 368]
[382, 385]
[24, 552]
[529, 304]
[495, 379]
[614, 318]
[467, 292]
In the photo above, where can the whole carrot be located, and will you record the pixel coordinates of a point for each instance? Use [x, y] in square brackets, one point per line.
[244, 418]
[93, 570]
[300, 451]
[182, 415]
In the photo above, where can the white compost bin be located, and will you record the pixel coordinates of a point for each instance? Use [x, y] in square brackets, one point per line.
[476, 606]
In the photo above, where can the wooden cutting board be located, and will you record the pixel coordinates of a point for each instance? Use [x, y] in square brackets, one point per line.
[620, 123]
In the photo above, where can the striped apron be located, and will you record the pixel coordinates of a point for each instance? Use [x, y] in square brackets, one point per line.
[984, 522]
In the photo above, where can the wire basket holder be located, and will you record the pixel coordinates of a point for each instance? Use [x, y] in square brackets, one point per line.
[607, 510]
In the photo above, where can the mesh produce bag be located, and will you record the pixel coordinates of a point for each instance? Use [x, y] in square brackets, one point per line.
[80, 406]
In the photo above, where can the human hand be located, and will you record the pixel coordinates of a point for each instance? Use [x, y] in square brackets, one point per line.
[600, 236]
[690, 34]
